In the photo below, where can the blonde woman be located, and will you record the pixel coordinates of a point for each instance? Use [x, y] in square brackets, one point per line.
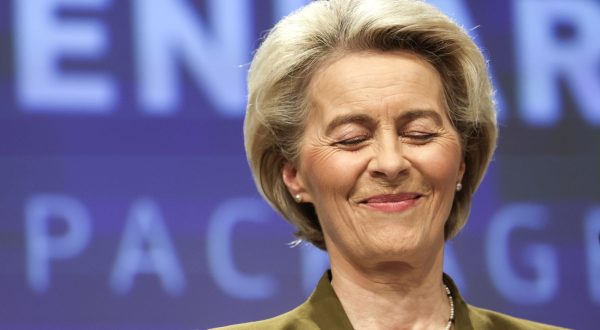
[369, 126]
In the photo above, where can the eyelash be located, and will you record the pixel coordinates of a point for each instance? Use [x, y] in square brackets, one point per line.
[418, 137]
[354, 141]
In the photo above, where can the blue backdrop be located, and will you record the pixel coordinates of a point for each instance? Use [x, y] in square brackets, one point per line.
[126, 199]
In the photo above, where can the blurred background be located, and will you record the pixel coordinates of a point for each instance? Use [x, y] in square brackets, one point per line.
[126, 201]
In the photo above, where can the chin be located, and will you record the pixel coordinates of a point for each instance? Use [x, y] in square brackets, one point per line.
[393, 250]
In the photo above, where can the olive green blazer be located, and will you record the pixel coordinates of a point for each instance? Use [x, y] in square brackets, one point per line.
[323, 310]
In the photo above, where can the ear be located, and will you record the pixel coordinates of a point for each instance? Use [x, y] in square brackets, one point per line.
[294, 181]
[461, 170]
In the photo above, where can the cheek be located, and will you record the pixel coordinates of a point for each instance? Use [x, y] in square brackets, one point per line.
[331, 171]
[440, 165]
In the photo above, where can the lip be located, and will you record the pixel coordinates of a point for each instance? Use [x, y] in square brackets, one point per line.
[391, 202]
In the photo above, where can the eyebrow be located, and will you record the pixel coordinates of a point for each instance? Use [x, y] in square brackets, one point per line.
[366, 120]
[411, 115]
[352, 118]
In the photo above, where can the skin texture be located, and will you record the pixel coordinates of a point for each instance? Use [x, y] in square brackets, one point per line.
[380, 161]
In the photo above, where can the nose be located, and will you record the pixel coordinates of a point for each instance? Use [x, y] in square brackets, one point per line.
[388, 161]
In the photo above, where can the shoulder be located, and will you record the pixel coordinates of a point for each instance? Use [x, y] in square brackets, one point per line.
[294, 319]
[486, 319]
[322, 310]
[470, 317]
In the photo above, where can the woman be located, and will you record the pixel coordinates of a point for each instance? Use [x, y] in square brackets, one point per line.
[369, 126]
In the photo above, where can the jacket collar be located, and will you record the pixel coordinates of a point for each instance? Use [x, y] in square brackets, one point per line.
[325, 309]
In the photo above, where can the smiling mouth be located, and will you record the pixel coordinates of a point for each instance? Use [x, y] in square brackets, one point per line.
[391, 202]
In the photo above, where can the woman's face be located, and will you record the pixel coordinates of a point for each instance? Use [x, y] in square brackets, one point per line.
[379, 158]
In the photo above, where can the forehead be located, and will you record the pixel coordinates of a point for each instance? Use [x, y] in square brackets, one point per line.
[377, 83]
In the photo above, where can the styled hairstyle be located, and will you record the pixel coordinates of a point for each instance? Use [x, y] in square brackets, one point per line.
[307, 39]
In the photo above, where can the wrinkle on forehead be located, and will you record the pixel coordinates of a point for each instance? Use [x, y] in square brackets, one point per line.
[337, 88]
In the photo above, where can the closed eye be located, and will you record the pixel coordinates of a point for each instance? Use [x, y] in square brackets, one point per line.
[419, 137]
[354, 141]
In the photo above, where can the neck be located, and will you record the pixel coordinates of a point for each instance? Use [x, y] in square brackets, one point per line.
[392, 295]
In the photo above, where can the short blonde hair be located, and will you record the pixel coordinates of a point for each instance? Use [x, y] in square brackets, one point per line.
[303, 41]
